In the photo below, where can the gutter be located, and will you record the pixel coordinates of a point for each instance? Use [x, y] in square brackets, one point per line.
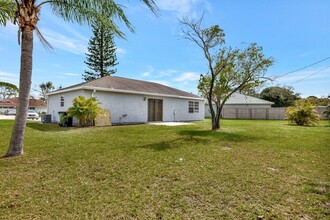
[121, 91]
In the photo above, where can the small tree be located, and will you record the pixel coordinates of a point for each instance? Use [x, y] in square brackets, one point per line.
[85, 110]
[7, 90]
[303, 114]
[101, 56]
[229, 70]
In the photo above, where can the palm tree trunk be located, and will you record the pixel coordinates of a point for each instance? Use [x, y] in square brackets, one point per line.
[17, 137]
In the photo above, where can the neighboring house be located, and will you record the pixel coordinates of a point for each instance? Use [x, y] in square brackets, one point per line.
[35, 104]
[239, 104]
[131, 101]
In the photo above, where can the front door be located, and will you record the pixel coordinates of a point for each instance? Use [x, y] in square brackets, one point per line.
[155, 110]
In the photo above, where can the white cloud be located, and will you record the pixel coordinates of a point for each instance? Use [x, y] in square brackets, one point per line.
[50, 20]
[148, 72]
[60, 41]
[163, 82]
[70, 74]
[188, 76]
[168, 72]
[186, 81]
[183, 7]
[300, 75]
[9, 77]
[121, 52]
[12, 75]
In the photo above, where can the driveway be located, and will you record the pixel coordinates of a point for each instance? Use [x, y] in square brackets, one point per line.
[12, 117]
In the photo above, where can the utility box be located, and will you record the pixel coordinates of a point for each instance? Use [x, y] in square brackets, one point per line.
[46, 118]
[103, 119]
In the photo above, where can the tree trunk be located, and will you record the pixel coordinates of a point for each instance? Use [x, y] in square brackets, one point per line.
[17, 138]
[216, 118]
[215, 124]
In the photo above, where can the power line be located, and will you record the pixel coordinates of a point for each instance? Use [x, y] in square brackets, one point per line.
[285, 74]
[310, 75]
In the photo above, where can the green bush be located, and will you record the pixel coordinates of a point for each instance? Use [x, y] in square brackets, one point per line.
[303, 114]
[85, 110]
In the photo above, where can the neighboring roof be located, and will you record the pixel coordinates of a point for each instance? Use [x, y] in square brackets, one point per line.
[239, 99]
[13, 102]
[120, 84]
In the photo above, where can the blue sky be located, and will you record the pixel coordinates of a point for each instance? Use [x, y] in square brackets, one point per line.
[295, 32]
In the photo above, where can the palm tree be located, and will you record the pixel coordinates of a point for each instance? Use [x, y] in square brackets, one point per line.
[25, 13]
[45, 88]
[85, 110]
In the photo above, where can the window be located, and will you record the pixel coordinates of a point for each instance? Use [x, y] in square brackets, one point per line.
[196, 107]
[62, 101]
[193, 107]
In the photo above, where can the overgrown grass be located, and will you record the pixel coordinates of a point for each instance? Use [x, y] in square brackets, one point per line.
[245, 170]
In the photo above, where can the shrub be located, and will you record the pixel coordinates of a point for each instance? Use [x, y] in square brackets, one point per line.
[85, 110]
[303, 114]
[326, 112]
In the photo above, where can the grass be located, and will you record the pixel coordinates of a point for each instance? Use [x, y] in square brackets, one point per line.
[245, 170]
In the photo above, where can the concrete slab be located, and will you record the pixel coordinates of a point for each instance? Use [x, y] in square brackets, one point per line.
[170, 123]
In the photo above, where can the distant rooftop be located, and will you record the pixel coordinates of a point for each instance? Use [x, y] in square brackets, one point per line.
[13, 102]
[237, 98]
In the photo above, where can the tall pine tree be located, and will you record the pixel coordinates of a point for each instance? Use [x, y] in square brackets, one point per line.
[101, 56]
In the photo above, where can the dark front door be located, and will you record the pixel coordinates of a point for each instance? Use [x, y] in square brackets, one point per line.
[155, 110]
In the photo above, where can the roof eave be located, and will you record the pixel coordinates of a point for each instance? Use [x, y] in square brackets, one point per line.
[121, 91]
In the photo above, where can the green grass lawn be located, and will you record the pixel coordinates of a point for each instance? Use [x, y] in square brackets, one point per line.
[245, 170]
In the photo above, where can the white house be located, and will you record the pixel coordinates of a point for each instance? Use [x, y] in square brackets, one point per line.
[11, 103]
[131, 101]
[242, 106]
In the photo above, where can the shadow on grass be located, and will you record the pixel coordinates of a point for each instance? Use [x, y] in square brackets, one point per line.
[219, 135]
[47, 127]
[307, 126]
[176, 143]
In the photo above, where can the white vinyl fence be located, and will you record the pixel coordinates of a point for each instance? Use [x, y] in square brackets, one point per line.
[260, 113]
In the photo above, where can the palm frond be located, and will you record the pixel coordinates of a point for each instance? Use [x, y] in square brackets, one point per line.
[151, 5]
[43, 41]
[7, 11]
[85, 12]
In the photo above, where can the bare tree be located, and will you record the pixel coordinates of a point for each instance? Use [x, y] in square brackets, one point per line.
[229, 70]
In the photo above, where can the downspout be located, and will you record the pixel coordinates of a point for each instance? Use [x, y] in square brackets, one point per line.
[94, 91]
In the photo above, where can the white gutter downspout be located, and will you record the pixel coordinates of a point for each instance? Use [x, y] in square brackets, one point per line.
[94, 91]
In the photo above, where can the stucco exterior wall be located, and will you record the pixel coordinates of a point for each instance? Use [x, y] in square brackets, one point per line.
[54, 103]
[128, 108]
[178, 110]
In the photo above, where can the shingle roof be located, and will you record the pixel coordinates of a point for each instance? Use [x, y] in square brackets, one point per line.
[237, 98]
[12, 102]
[132, 85]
